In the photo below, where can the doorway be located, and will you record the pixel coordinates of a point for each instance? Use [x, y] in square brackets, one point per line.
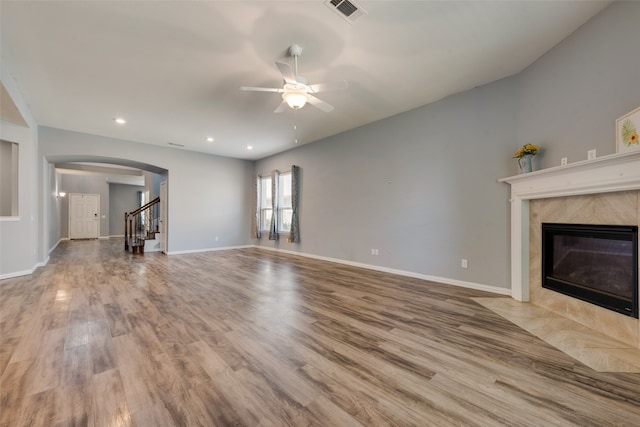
[84, 220]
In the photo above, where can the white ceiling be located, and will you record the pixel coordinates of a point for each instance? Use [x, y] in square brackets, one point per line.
[173, 68]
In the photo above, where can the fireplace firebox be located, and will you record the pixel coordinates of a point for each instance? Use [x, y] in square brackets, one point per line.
[594, 263]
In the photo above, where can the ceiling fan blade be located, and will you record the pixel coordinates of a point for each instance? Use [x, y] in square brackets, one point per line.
[283, 106]
[286, 72]
[262, 89]
[320, 104]
[323, 87]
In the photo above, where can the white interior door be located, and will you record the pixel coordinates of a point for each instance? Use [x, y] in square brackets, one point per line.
[84, 218]
[163, 216]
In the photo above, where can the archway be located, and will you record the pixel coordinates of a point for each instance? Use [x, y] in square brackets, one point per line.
[116, 172]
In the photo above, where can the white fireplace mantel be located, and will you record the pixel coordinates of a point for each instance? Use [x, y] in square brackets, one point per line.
[616, 172]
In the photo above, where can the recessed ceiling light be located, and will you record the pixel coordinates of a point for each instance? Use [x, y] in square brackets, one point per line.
[249, 147]
[210, 139]
[119, 120]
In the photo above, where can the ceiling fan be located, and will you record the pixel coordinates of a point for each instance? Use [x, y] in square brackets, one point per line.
[296, 91]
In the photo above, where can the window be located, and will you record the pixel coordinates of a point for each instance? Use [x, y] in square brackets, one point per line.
[265, 203]
[283, 197]
[8, 178]
[286, 210]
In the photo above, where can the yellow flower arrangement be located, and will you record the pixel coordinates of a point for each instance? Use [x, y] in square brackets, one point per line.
[629, 133]
[526, 149]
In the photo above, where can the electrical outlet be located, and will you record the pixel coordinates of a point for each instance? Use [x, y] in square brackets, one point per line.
[563, 161]
[464, 263]
[591, 154]
[375, 251]
[217, 238]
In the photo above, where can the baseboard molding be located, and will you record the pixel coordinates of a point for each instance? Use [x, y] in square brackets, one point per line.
[56, 245]
[116, 236]
[444, 280]
[38, 265]
[17, 273]
[195, 251]
[42, 263]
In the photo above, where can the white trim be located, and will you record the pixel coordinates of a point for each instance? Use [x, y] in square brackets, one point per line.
[115, 236]
[444, 280]
[615, 172]
[18, 273]
[57, 243]
[42, 264]
[9, 218]
[195, 251]
[104, 237]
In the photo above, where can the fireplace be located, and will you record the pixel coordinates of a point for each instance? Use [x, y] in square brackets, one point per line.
[594, 263]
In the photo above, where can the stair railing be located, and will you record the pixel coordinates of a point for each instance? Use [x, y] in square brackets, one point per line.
[141, 224]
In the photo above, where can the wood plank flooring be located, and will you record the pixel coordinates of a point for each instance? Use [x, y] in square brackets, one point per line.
[246, 337]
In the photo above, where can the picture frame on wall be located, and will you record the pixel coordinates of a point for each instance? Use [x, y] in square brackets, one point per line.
[628, 132]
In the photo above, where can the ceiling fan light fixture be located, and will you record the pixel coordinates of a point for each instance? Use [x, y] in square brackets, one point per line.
[295, 99]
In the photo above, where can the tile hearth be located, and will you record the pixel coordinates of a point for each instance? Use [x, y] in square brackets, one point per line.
[594, 349]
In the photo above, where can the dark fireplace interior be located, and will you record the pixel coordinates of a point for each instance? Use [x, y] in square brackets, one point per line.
[594, 263]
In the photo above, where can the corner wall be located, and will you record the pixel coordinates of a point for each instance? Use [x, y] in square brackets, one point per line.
[122, 198]
[421, 187]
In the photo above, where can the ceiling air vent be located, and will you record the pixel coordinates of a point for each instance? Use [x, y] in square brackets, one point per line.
[346, 8]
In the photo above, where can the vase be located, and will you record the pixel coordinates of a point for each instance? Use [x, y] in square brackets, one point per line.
[524, 163]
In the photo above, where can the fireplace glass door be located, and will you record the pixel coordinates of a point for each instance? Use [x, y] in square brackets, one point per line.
[594, 263]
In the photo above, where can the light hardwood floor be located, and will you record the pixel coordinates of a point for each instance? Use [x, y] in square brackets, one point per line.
[100, 337]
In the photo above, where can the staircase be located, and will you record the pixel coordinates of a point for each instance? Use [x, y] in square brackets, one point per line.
[141, 229]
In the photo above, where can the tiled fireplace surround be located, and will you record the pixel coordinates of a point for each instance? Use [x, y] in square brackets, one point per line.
[601, 191]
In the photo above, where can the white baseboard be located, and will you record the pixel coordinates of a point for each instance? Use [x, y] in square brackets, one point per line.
[42, 263]
[56, 245]
[445, 280]
[38, 265]
[116, 236]
[194, 251]
[17, 273]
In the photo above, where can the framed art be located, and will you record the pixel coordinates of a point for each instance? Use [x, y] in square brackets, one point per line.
[628, 132]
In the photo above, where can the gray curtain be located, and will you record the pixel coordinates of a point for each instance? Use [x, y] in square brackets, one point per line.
[273, 229]
[294, 234]
[257, 195]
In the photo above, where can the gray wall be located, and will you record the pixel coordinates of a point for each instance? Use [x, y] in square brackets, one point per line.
[122, 198]
[209, 195]
[570, 98]
[20, 237]
[421, 187]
